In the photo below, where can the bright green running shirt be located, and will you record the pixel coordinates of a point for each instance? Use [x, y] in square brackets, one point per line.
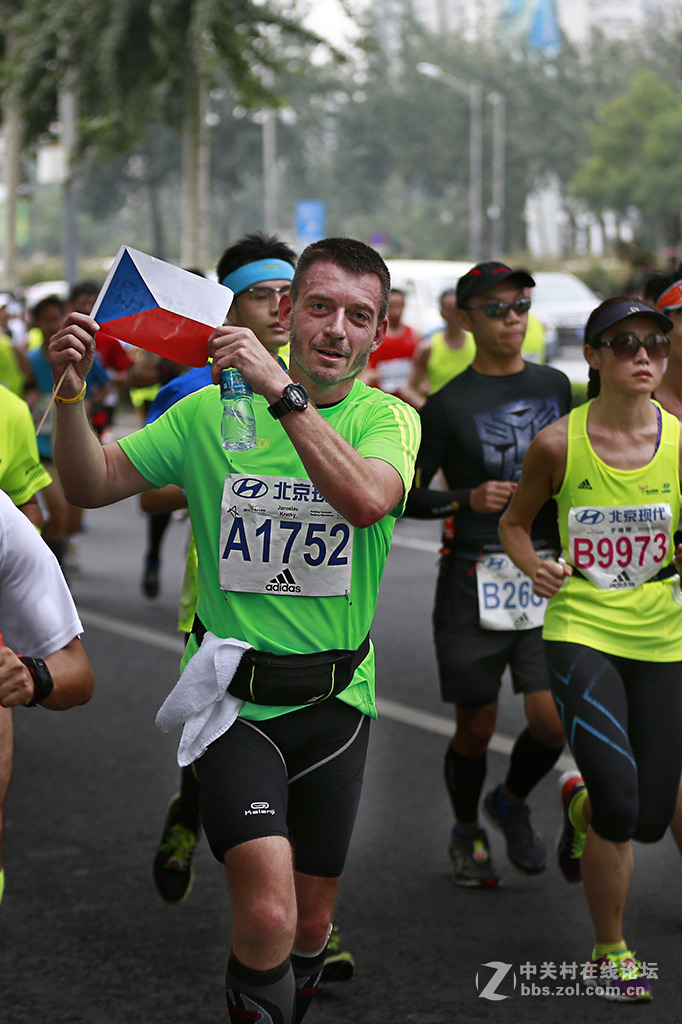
[21, 472]
[444, 362]
[292, 543]
[617, 527]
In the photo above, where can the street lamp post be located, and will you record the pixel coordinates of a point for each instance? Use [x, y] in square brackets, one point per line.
[496, 212]
[270, 171]
[472, 90]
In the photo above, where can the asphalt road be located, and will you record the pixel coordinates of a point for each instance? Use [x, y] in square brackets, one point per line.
[84, 938]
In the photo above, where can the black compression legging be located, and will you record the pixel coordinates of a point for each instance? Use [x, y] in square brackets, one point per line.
[623, 723]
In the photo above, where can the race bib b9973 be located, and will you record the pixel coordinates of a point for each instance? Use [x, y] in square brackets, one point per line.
[620, 547]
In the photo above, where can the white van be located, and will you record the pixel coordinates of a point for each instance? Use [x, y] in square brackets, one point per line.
[423, 282]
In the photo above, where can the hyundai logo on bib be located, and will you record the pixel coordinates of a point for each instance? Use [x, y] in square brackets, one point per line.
[249, 487]
[591, 516]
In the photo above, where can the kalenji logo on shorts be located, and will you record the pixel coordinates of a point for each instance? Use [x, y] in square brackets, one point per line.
[260, 807]
[283, 583]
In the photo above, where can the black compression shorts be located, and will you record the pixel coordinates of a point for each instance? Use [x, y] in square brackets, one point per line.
[471, 660]
[298, 775]
[623, 723]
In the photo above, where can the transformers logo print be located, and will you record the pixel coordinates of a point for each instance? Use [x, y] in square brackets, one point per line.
[507, 431]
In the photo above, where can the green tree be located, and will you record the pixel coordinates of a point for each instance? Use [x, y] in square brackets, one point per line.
[137, 61]
[636, 156]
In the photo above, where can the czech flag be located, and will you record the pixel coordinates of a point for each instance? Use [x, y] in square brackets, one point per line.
[161, 308]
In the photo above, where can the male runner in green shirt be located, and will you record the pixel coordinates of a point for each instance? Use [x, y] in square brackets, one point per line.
[292, 537]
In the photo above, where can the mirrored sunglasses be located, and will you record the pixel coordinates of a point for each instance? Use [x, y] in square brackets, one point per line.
[627, 344]
[498, 310]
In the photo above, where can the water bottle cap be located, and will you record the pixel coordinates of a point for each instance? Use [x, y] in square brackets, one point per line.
[232, 383]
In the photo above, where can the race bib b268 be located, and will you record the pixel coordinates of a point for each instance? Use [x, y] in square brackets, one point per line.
[506, 599]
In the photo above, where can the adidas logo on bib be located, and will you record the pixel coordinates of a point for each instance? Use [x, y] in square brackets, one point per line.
[621, 582]
[283, 583]
[585, 485]
[522, 621]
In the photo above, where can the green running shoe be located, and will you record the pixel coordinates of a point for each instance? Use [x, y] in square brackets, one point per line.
[617, 977]
[173, 871]
[339, 964]
[570, 842]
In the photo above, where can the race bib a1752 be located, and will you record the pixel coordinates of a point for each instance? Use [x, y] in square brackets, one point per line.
[278, 535]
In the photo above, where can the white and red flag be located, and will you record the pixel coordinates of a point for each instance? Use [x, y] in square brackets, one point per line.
[159, 307]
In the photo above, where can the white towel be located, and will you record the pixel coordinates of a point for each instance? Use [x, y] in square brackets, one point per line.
[200, 698]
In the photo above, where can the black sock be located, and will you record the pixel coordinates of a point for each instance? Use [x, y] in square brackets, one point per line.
[259, 995]
[464, 778]
[307, 971]
[530, 761]
[156, 527]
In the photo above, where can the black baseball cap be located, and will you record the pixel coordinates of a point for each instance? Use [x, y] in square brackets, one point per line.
[604, 318]
[485, 276]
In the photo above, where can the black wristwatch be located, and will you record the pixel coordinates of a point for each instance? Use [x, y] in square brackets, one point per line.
[294, 399]
[42, 680]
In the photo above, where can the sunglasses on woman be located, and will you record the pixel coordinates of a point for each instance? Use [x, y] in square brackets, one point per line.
[499, 309]
[626, 345]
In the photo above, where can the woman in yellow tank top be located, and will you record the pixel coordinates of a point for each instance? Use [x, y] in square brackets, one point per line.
[613, 628]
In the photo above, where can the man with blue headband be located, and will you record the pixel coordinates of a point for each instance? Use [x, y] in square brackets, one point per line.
[258, 269]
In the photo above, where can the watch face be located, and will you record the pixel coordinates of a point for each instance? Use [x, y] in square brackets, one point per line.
[294, 399]
[297, 395]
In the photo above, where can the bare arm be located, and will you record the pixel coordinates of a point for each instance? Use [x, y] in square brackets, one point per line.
[33, 512]
[70, 670]
[144, 372]
[417, 387]
[163, 499]
[543, 470]
[362, 490]
[91, 475]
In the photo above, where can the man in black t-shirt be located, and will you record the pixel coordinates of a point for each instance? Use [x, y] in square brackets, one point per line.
[476, 430]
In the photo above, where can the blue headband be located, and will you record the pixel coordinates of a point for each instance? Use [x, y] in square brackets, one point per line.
[254, 273]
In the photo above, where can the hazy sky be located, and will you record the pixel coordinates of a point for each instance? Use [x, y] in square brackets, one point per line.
[328, 19]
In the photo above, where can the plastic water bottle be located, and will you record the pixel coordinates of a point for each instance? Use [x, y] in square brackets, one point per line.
[238, 424]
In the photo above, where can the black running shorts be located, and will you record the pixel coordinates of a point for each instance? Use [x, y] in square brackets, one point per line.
[472, 660]
[298, 775]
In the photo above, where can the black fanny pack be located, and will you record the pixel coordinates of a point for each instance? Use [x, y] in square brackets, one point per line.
[287, 680]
